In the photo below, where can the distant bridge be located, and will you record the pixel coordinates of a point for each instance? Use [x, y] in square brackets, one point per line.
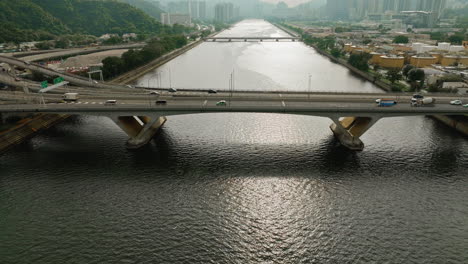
[251, 38]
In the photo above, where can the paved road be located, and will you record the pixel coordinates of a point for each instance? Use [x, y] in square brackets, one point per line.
[184, 105]
[77, 51]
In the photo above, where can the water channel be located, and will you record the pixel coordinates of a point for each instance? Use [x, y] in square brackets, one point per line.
[239, 188]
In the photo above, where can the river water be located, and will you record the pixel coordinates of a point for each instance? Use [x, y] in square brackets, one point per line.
[239, 188]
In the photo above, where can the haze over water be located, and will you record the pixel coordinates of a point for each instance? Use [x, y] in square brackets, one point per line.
[267, 65]
[238, 188]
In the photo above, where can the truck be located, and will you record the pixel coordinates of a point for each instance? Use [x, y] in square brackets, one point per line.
[385, 102]
[70, 97]
[422, 102]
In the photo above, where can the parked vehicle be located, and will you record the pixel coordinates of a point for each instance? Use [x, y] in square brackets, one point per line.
[110, 102]
[221, 103]
[154, 93]
[456, 102]
[385, 102]
[421, 102]
[69, 97]
[161, 102]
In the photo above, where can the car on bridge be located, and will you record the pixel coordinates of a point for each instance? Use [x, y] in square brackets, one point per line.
[110, 102]
[385, 102]
[221, 103]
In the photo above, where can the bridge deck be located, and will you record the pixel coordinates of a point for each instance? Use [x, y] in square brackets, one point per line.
[190, 106]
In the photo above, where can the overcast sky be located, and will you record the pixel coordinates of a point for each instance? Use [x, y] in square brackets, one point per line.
[289, 2]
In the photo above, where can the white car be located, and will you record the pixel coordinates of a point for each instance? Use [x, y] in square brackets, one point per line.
[456, 102]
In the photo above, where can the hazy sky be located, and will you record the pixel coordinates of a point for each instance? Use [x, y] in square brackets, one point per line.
[289, 2]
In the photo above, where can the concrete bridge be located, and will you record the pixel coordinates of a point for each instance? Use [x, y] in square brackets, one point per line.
[71, 78]
[251, 38]
[141, 118]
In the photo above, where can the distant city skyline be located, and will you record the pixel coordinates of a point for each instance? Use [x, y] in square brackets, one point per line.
[290, 3]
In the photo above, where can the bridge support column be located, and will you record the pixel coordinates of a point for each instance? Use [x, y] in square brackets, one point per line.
[349, 130]
[140, 129]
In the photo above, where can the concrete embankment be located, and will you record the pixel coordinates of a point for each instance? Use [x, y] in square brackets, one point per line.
[364, 75]
[354, 70]
[287, 30]
[140, 71]
[458, 123]
[28, 128]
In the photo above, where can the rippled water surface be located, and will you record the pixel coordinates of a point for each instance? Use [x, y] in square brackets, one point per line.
[237, 188]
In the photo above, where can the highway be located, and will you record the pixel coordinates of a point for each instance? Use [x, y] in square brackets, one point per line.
[76, 51]
[180, 105]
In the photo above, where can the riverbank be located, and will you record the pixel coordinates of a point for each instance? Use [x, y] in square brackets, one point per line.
[460, 124]
[28, 128]
[133, 75]
[384, 86]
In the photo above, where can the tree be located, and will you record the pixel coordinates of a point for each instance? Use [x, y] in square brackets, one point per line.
[44, 45]
[406, 69]
[113, 40]
[360, 61]
[456, 39]
[401, 39]
[394, 75]
[112, 66]
[62, 43]
[416, 77]
[335, 52]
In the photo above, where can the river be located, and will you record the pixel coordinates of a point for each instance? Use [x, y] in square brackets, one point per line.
[239, 188]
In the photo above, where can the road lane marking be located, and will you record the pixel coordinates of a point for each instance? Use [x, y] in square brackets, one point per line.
[204, 103]
[284, 105]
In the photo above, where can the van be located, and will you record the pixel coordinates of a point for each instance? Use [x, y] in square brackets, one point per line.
[70, 97]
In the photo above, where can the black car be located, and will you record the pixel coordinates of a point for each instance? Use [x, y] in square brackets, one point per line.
[418, 96]
[161, 102]
[212, 91]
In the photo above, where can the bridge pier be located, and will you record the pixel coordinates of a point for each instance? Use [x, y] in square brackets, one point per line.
[349, 130]
[140, 129]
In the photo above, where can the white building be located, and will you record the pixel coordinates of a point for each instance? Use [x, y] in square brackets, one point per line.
[171, 19]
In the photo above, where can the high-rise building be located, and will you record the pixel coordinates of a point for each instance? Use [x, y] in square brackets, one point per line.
[337, 9]
[197, 9]
[224, 12]
[359, 9]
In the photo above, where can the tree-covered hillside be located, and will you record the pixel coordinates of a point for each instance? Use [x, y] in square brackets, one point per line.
[27, 20]
[148, 7]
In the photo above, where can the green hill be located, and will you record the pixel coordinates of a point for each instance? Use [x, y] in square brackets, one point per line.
[148, 7]
[27, 20]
